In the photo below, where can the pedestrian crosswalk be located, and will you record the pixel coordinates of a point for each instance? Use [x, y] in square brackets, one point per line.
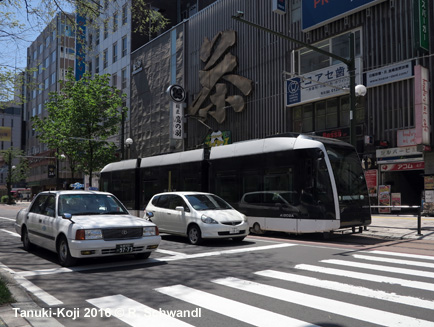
[367, 288]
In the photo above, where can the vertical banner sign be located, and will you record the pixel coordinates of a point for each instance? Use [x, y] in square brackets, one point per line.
[422, 25]
[421, 105]
[80, 44]
[371, 181]
[177, 125]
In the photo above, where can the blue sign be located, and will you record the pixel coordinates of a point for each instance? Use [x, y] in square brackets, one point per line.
[80, 50]
[320, 12]
[279, 6]
[293, 91]
[77, 186]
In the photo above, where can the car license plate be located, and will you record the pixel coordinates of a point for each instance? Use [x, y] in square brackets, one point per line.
[234, 231]
[124, 248]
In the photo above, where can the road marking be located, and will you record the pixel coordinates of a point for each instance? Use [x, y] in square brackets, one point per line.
[9, 232]
[38, 292]
[348, 288]
[368, 277]
[353, 311]
[170, 252]
[407, 255]
[233, 309]
[149, 261]
[403, 271]
[135, 313]
[10, 219]
[397, 261]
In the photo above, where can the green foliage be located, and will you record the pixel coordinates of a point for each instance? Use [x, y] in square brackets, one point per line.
[80, 119]
[5, 199]
[5, 294]
[15, 157]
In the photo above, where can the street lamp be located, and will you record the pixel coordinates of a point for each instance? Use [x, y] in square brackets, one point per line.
[128, 143]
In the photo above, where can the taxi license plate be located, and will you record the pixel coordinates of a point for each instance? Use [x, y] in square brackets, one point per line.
[124, 248]
[234, 231]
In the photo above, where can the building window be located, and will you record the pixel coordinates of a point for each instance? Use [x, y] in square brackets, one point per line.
[115, 21]
[115, 80]
[90, 41]
[97, 37]
[115, 52]
[124, 14]
[105, 29]
[97, 65]
[53, 78]
[104, 59]
[124, 46]
[89, 66]
[124, 78]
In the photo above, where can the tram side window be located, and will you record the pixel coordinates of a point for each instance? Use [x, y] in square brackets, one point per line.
[226, 186]
[123, 187]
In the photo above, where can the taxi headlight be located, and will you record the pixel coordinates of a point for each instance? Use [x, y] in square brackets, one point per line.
[208, 220]
[88, 234]
[150, 231]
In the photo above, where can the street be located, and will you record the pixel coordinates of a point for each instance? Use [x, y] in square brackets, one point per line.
[265, 280]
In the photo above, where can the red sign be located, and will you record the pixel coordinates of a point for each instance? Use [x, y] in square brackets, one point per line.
[403, 166]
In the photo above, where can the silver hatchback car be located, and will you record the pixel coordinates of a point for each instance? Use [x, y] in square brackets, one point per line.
[196, 215]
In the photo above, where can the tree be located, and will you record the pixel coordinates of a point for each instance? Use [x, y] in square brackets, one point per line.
[17, 172]
[80, 119]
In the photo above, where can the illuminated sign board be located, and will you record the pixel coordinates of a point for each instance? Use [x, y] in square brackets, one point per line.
[316, 13]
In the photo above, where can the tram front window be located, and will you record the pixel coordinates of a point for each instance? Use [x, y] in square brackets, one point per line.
[348, 173]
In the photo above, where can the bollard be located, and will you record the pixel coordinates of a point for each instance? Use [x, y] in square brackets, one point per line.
[419, 222]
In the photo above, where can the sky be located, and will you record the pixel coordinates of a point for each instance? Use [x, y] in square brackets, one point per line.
[14, 53]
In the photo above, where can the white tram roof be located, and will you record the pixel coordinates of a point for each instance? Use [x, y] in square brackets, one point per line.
[120, 165]
[173, 158]
[272, 144]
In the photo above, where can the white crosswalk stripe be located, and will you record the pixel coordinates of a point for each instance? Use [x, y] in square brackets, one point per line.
[403, 271]
[237, 310]
[358, 312]
[395, 261]
[340, 312]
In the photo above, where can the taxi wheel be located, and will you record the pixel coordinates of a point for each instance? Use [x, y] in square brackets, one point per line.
[142, 255]
[64, 255]
[26, 242]
[194, 235]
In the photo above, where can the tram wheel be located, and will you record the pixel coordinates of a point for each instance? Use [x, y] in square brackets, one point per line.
[257, 229]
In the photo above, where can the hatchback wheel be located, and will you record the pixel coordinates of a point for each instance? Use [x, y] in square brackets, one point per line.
[194, 235]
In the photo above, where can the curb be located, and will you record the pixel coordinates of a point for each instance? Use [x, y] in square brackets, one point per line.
[9, 314]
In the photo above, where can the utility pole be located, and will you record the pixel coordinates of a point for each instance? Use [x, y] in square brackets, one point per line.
[349, 62]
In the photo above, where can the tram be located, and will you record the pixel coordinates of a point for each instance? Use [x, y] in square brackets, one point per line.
[296, 184]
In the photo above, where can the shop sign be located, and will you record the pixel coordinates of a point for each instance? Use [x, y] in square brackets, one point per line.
[396, 200]
[371, 181]
[421, 105]
[406, 137]
[429, 182]
[397, 152]
[320, 84]
[389, 74]
[316, 13]
[384, 198]
[403, 166]
[177, 126]
[422, 24]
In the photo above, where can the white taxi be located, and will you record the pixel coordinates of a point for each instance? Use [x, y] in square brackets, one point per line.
[83, 224]
[196, 215]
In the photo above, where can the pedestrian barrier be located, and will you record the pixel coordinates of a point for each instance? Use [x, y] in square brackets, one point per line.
[419, 214]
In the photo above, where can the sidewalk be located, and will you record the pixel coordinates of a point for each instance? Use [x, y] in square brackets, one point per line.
[388, 227]
[401, 227]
